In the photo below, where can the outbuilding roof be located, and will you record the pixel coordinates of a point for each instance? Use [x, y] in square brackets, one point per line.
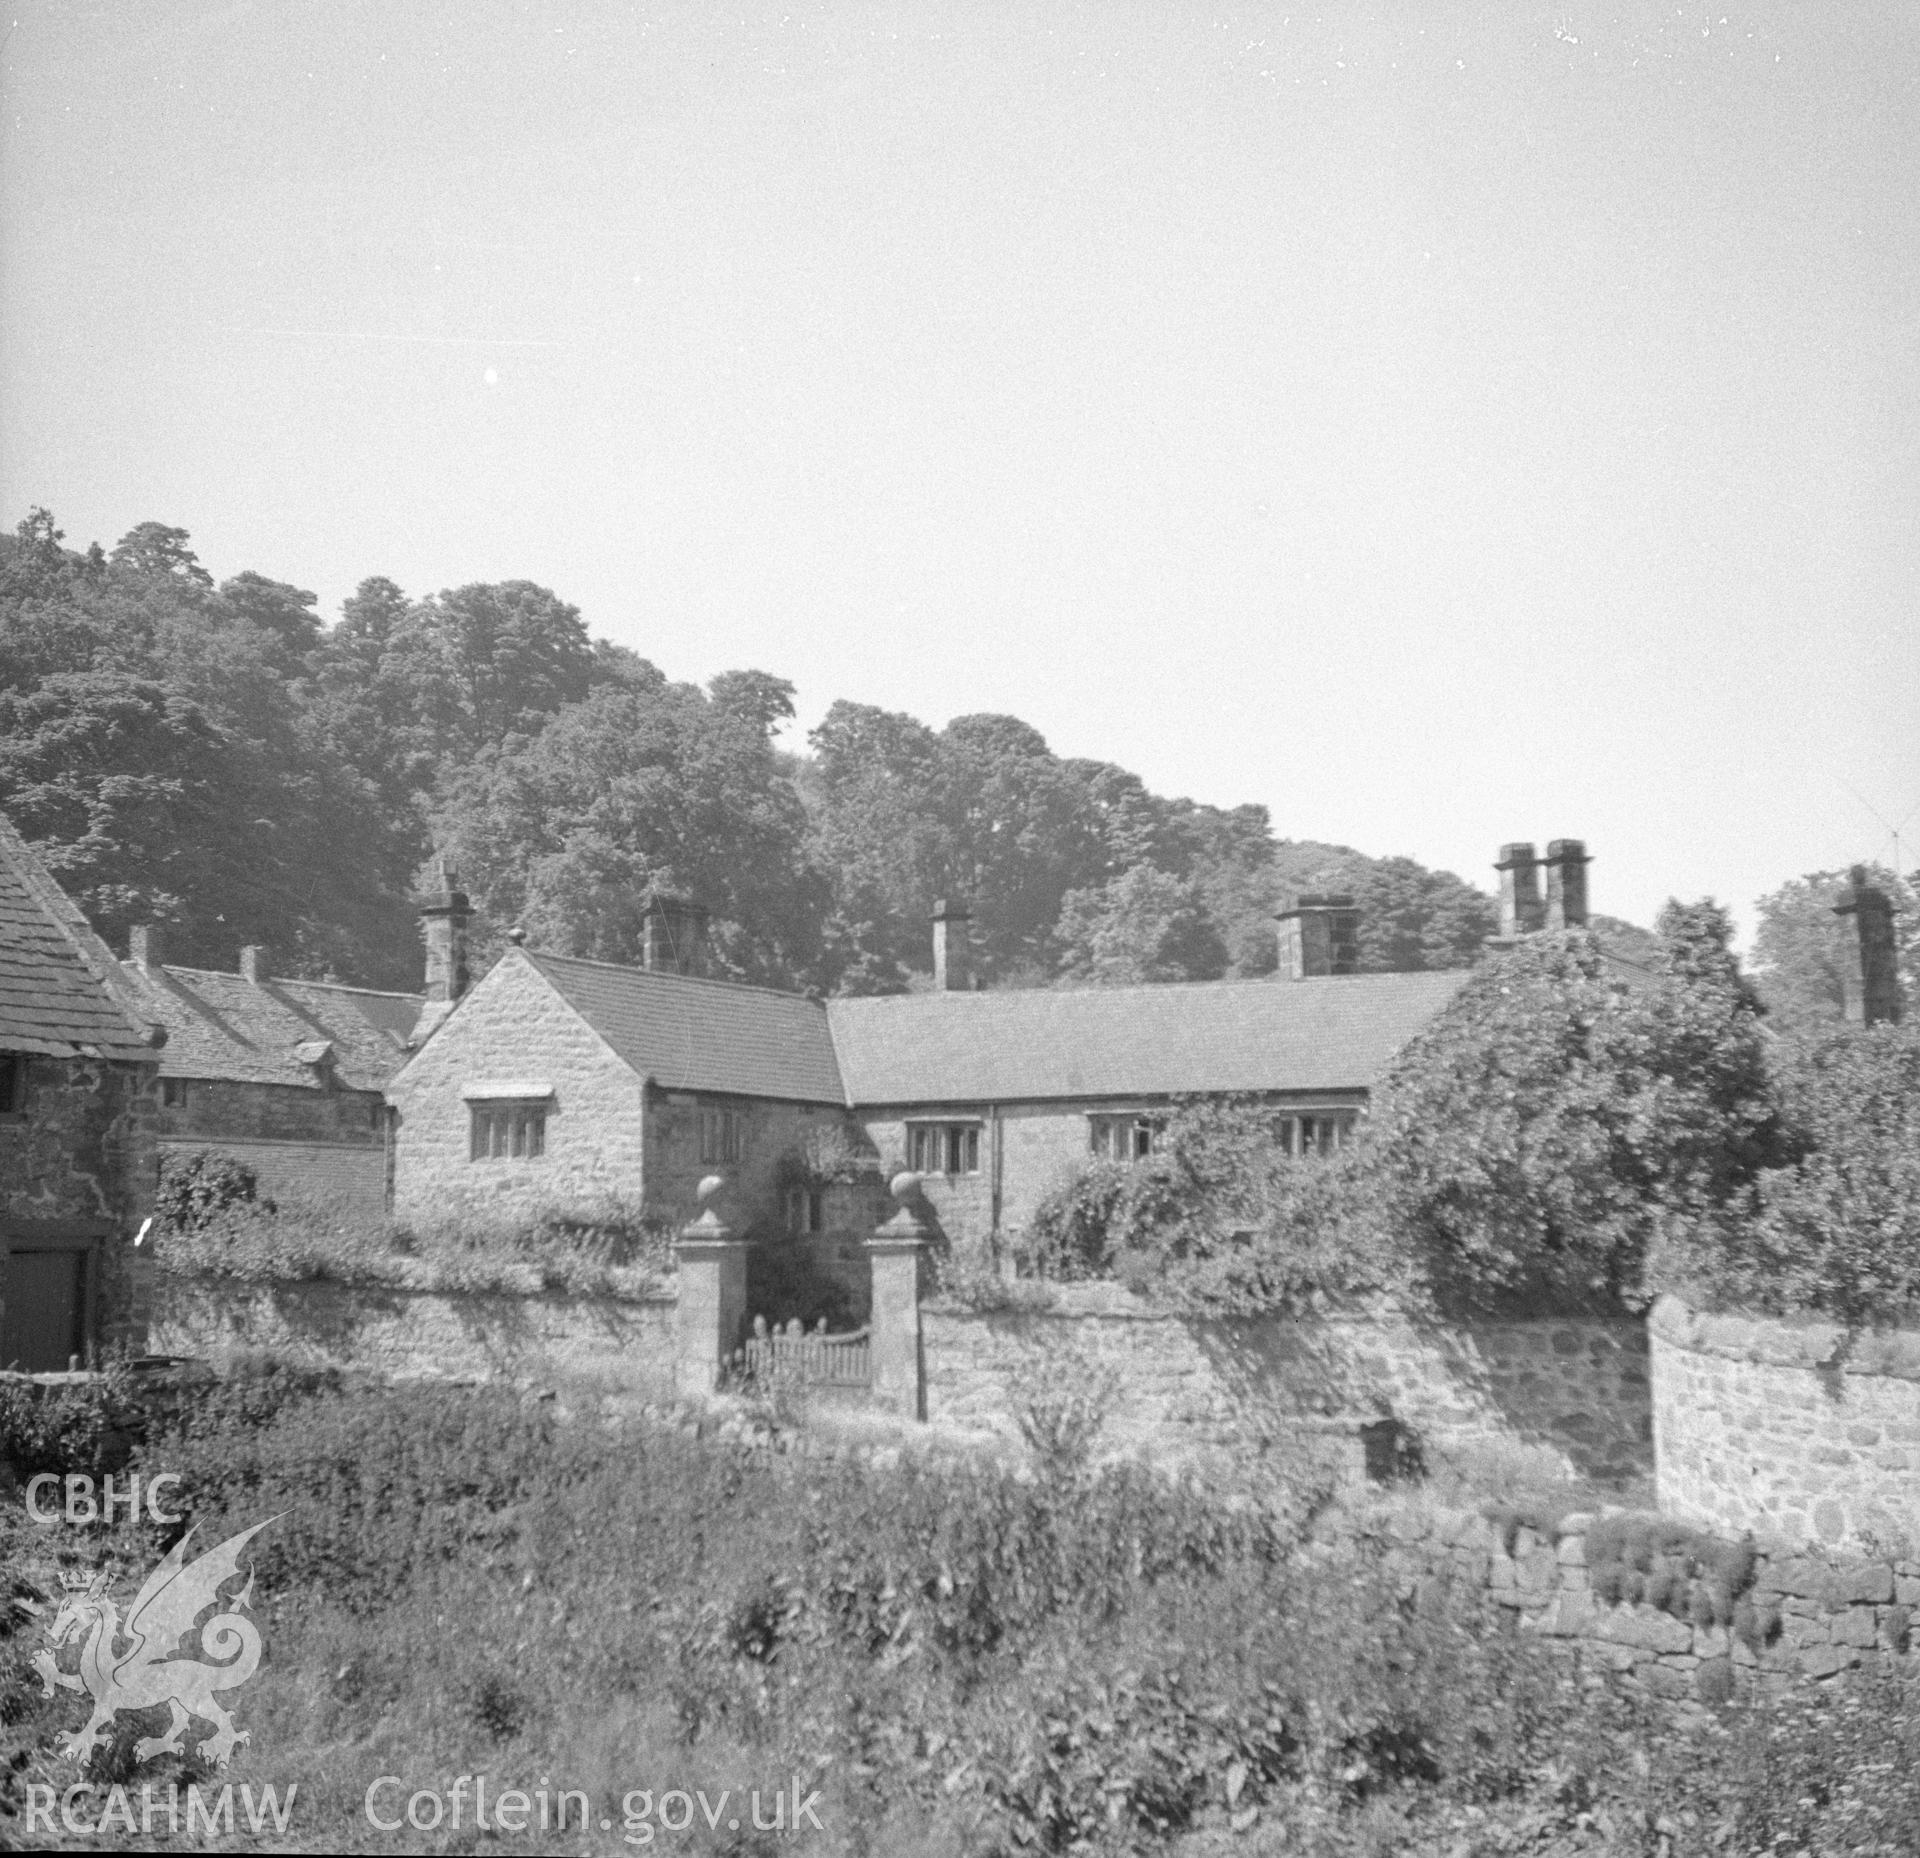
[694, 1034]
[60, 994]
[1327, 1033]
[229, 1028]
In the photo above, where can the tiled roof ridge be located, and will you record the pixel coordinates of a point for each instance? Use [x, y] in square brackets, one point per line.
[171, 968]
[538, 955]
[1159, 989]
[66, 916]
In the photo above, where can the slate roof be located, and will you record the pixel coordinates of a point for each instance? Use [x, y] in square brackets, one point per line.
[693, 1034]
[60, 994]
[226, 1027]
[1324, 1034]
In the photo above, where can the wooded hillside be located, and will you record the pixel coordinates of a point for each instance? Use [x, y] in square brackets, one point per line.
[216, 758]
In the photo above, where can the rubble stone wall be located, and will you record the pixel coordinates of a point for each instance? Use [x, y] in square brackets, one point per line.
[1224, 1395]
[421, 1334]
[1799, 1430]
[1801, 1616]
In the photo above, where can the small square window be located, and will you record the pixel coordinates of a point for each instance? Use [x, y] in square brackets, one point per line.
[173, 1093]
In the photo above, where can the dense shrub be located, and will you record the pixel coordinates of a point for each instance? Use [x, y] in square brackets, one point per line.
[1080, 1222]
[199, 1187]
[1534, 1139]
[1835, 1231]
[84, 1427]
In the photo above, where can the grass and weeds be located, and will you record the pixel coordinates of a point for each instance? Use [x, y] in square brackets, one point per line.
[956, 1659]
[214, 1222]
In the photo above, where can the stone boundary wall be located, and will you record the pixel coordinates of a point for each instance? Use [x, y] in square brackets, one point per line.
[1807, 1616]
[1798, 1430]
[1218, 1395]
[423, 1334]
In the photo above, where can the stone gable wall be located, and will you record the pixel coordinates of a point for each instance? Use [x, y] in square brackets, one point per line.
[1796, 1429]
[514, 1026]
[1223, 1395]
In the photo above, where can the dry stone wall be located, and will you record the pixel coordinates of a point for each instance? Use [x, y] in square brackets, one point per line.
[1795, 1616]
[1228, 1395]
[419, 1334]
[1800, 1430]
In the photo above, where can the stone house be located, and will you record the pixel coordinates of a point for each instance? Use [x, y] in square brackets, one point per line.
[288, 1076]
[559, 1080]
[991, 1097]
[78, 1057]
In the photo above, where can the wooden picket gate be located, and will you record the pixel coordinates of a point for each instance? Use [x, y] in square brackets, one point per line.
[815, 1359]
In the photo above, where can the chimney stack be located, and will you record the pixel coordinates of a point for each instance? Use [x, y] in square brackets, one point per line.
[673, 935]
[443, 928]
[1520, 910]
[952, 957]
[255, 965]
[1871, 969]
[1319, 935]
[1567, 863]
[146, 946]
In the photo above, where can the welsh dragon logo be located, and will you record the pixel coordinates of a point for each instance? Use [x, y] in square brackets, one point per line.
[139, 1663]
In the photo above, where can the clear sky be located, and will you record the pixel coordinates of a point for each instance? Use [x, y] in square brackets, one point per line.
[1444, 424]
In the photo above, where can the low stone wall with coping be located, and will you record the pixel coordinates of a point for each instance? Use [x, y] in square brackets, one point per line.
[423, 1334]
[1221, 1394]
[1799, 1430]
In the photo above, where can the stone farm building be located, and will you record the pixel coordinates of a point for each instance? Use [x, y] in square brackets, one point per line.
[78, 1057]
[289, 1076]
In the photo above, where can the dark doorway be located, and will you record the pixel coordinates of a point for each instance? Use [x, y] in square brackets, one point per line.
[45, 1325]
